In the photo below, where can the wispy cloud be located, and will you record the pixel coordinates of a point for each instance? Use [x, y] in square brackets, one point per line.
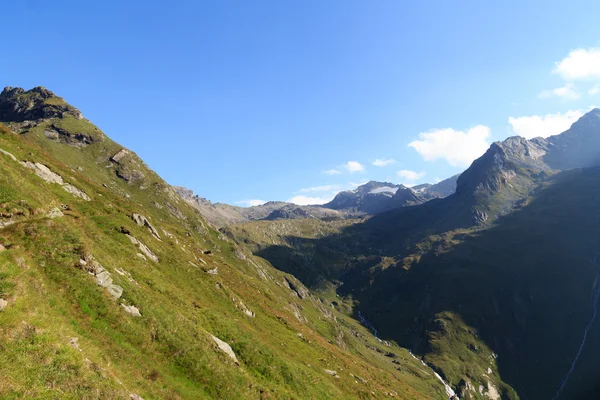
[458, 148]
[382, 162]
[323, 188]
[309, 200]
[410, 176]
[354, 166]
[250, 202]
[594, 90]
[567, 92]
[332, 172]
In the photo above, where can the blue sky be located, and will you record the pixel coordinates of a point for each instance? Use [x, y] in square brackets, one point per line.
[264, 100]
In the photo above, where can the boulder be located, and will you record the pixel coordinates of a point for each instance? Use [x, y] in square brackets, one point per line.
[133, 310]
[55, 213]
[331, 372]
[225, 348]
[120, 155]
[214, 271]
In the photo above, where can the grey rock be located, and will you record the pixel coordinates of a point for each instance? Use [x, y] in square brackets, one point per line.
[55, 213]
[214, 271]
[143, 248]
[133, 310]
[76, 192]
[120, 155]
[143, 221]
[115, 291]
[297, 287]
[331, 372]
[43, 172]
[225, 348]
[17, 105]
[74, 342]
[3, 304]
[9, 155]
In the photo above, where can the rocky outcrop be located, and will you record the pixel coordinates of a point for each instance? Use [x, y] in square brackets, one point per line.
[225, 348]
[102, 276]
[143, 248]
[143, 221]
[18, 105]
[76, 139]
[43, 172]
[46, 174]
[121, 154]
[296, 287]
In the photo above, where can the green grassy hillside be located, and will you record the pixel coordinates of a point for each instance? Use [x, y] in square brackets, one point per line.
[100, 303]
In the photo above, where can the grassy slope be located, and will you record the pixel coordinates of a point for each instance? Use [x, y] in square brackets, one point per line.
[168, 352]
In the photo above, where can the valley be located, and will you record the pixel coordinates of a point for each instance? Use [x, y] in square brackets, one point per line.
[114, 284]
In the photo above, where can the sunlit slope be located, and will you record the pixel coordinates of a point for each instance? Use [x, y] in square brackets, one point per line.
[112, 286]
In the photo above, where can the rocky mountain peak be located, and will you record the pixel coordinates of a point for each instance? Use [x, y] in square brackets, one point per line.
[590, 119]
[17, 105]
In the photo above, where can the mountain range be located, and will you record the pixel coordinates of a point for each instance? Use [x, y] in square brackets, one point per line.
[114, 284]
[368, 199]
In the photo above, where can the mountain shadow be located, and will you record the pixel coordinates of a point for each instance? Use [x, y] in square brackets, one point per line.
[520, 289]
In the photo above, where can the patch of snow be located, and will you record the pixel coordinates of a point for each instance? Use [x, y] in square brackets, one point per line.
[384, 189]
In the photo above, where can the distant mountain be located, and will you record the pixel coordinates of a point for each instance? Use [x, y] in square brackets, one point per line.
[377, 197]
[368, 199]
[221, 215]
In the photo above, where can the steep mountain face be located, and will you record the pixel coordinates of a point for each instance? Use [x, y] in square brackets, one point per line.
[113, 287]
[494, 285]
[441, 189]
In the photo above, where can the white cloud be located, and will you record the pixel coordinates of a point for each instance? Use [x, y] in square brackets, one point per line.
[332, 172]
[382, 162]
[308, 200]
[567, 92]
[354, 166]
[324, 188]
[458, 148]
[410, 176]
[543, 125]
[594, 90]
[580, 64]
[250, 202]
